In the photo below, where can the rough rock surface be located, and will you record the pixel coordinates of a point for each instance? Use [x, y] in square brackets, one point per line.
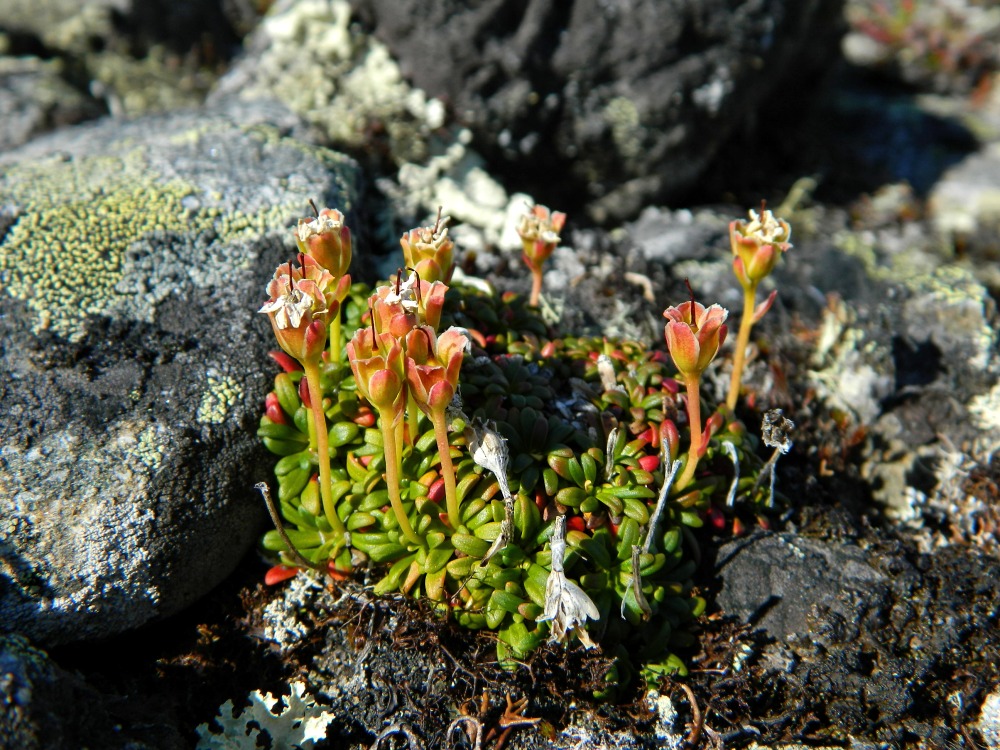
[629, 101]
[876, 640]
[47, 707]
[35, 98]
[132, 258]
[309, 55]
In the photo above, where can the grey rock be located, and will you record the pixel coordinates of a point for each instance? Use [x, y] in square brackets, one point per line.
[857, 632]
[771, 582]
[133, 258]
[964, 208]
[630, 100]
[35, 98]
[666, 237]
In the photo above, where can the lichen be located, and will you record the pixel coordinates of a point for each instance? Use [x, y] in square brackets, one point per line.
[298, 723]
[69, 252]
[338, 80]
[627, 131]
[222, 394]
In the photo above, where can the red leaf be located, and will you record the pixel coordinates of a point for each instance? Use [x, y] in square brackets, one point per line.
[279, 573]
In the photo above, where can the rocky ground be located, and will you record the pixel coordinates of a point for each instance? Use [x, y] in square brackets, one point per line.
[861, 613]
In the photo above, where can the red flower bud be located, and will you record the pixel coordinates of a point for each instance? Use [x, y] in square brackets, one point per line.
[327, 239]
[694, 334]
[273, 410]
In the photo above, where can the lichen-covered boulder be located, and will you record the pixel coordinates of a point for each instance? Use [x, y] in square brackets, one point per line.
[132, 365]
[629, 101]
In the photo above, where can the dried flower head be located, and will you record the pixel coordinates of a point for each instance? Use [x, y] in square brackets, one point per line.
[298, 308]
[539, 230]
[429, 251]
[567, 606]
[757, 245]
[327, 239]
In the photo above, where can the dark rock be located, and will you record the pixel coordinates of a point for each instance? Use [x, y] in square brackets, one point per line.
[628, 100]
[44, 707]
[83, 28]
[133, 258]
[861, 636]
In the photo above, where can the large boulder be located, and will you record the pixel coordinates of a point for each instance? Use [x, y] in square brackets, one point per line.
[133, 257]
[628, 100]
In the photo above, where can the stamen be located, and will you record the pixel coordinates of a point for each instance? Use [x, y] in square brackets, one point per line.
[691, 292]
[414, 272]
[315, 210]
[437, 223]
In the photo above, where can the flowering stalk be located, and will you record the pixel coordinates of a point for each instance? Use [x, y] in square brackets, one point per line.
[377, 362]
[322, 447]
[327, 239]
[539, 232]
[694, 334]
[432, 368]
[757, 247]
[298, 309]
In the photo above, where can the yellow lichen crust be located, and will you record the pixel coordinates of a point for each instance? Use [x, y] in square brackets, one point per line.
[219, 397]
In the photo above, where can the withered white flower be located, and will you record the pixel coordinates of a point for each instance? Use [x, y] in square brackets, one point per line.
[567, 606]
[405, 294]
[766, 227]
[776, 431]
[289, 308]
[506, 534]
[606, 369]
[489, 450]
[324, 222]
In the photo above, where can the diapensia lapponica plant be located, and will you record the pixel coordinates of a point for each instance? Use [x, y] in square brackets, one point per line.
[522, 479]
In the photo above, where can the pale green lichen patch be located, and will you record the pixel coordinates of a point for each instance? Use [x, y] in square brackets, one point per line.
[312, 60]
[627, 130]
[142, 442]
[957, 308]
[150, 447]
[219, 397]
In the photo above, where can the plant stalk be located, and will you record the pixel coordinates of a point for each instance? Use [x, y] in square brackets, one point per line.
[536, 287]
[447, 467]
[742, 341]
[392, 470]
[322, 448]
[692, 383]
